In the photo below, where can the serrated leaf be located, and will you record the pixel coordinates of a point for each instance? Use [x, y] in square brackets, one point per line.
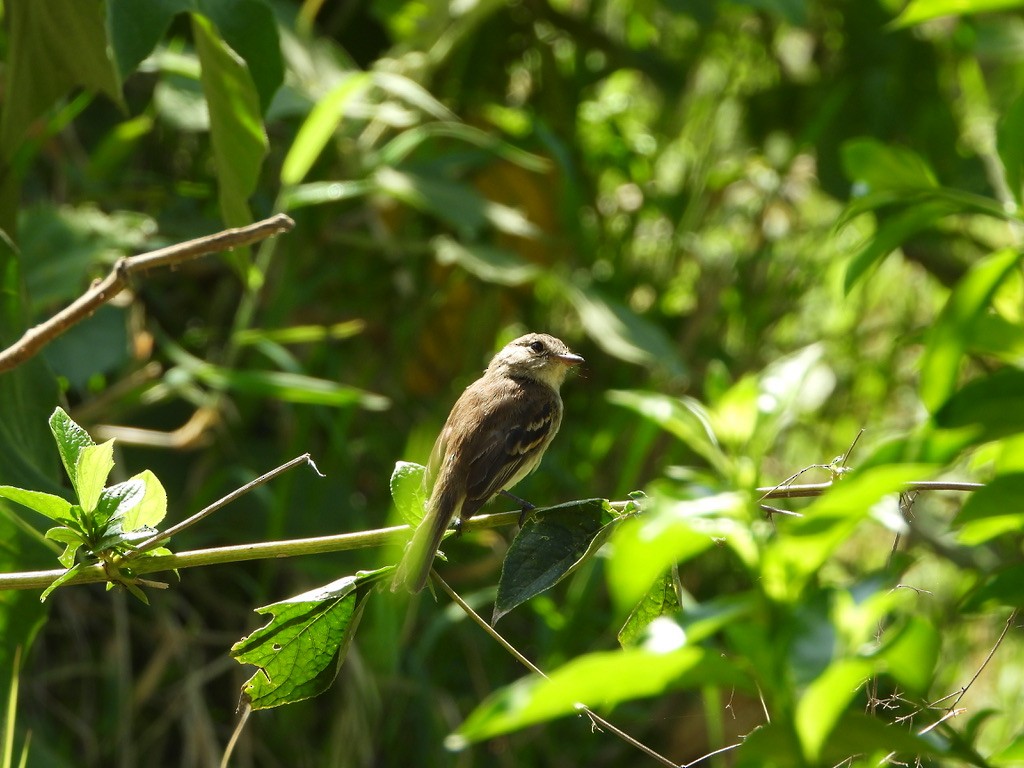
[117, 501]
[951, 334]
[71, 440]
[551, 545]
[661, 599]
[598, 680]
[53, 507]
[408, 492]
[92, 470]
[301, 649]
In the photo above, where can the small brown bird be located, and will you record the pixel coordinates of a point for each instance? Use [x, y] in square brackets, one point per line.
[495, 436]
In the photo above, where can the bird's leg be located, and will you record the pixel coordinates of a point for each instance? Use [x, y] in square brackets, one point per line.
[526, 507]
[457, 525]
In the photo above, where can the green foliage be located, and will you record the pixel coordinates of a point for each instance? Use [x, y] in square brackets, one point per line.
[108, 521]
[766, 226]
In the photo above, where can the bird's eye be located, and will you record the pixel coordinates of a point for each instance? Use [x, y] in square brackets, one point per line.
[537, 347]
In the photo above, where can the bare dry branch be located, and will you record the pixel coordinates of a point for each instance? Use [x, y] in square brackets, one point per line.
[101, 292]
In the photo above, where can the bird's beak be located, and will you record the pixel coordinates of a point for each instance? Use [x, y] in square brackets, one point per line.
[570, 359]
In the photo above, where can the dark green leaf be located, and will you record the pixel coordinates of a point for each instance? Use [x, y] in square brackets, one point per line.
[991, 406]
[236, 126]
[551, 544]
[299, 652]
[117, 501]
[1011, 149]
[1002, 588]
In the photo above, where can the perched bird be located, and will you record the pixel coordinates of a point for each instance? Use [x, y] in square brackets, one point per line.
[495, 435]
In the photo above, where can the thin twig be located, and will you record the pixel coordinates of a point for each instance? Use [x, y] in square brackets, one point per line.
[100, 293]
[817, 489]
[991, 653]
[202, 514]
[595, 719]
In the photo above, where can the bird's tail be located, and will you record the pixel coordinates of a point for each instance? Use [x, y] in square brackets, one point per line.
[414, 569]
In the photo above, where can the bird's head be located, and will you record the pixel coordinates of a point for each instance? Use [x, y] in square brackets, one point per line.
[536, 356]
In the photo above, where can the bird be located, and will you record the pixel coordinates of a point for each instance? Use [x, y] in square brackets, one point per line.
[496, 434]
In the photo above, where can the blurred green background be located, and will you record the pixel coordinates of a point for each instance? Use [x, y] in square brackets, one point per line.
[702, 198]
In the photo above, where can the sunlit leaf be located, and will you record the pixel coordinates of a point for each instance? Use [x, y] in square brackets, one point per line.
[873, 166]
[807, 542]
[598, 680]
[317, 129]
[951, 334]
[993, 510]
[825, 700]
[151, 509]
[662, 599]
[322, 192]
[92, 470]
[71, 440]
[54, 507]
[299, 651]
[918, 11]
[408, 492]
[668, 532]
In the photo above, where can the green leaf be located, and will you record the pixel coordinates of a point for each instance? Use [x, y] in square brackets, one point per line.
[993, 510]
[117, 501]
[991, 406]
[489, 263]
[807, 542]
[825, 701]
[399, 148]
[408, 491]
[669, 532]
[321, 192]
[300, 650]
[52, 47]
[290, 387]
[321, 123]
[1011, 150]
[71, 440]
[236, 126]
[877, 166]
[72, 541]
[661, 600]
[54, 507]
[683, 417]
[151, 509]
[598, 680]
[93, 468]
[892, 232]
[551, 544]
[624, 334]
[909, 654]
[1001, 588]
[951, 334]
[918, 11]
[69, 574]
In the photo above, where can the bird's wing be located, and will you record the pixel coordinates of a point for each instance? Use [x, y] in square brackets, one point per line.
[509, 446]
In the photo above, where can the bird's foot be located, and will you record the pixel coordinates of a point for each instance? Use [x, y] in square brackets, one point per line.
[525, 507]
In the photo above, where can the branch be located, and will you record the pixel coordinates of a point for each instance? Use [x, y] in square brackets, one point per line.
[817, 489]
[100, 293]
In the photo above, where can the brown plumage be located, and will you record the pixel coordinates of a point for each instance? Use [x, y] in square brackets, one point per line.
[495, 435]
